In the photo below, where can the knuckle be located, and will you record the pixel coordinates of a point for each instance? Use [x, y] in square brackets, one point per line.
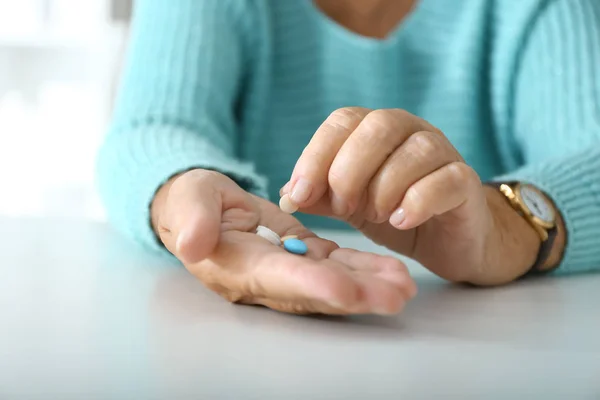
[378, 124]
[415, 198]
[460, 173]
[338, 183]
[413, 194]
[194, 179]
[424, 144]
[344, 190]
[379, 114]
[316, 155]
[401, 114]
[383, 124]
[345, 117]
[180, 183]
[200, 175]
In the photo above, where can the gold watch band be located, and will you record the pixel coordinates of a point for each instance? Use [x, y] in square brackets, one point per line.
[547, 232]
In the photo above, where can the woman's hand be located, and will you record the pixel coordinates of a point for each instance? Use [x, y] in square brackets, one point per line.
[209, 223]
[400, 181]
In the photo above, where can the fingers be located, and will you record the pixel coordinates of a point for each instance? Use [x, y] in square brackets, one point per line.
[245, 268]
[386, 268]
[191, 220]
[348, 151]
[422, 153]
[309, 179]
[385, 281]
[363, 154]
[370, 294]
[452, 187]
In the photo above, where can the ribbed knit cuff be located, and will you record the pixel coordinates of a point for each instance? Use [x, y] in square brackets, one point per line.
[572, 184]
[133, 165]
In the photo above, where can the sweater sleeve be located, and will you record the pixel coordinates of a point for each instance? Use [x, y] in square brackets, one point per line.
[557, 122]
[175, 109]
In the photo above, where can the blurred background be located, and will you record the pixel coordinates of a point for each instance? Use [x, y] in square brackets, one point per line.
[59, 63]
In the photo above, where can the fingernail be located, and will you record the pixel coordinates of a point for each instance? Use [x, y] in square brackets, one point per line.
[398, 218]
[301, 191]
[338, 206]
[286, 205]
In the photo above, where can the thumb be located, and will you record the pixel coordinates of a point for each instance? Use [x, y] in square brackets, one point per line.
[193, 213]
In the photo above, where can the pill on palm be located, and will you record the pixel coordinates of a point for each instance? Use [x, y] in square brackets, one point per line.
[268, 234]
[286, 205]
[295, 246]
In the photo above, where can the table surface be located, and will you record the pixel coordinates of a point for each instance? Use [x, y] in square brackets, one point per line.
[85, 315]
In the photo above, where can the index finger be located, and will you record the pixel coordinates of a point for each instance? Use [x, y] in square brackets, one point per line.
[309, 181]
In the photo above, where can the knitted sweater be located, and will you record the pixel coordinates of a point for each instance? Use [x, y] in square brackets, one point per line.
[240, 86]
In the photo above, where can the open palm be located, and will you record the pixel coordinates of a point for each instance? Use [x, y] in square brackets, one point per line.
[213, 232]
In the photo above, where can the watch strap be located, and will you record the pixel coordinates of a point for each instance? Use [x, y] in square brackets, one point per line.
[545, 246]
[544, 252]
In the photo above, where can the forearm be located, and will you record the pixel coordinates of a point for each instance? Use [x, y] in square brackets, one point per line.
[174, 111]
[556, 125]
[572, 183]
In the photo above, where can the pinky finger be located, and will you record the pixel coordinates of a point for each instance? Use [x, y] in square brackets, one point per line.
[455, 187]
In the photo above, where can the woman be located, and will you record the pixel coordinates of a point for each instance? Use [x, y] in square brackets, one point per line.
[463, 134]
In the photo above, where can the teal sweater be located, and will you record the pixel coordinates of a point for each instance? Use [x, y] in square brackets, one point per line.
[240, 86]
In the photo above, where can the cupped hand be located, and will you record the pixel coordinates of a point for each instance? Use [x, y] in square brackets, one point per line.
[209, 223]
[399, 180]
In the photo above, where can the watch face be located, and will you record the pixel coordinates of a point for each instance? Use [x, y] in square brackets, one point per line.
[537, 203]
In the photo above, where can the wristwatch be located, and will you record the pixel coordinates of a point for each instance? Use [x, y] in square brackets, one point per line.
[539, 212]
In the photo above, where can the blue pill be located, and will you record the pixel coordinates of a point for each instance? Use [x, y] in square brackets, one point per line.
[295, 246]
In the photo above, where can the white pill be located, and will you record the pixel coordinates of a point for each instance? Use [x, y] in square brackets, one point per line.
[286, 205]
[268, 234]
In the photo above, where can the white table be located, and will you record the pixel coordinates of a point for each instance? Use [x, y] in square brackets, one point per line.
[83, 315]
